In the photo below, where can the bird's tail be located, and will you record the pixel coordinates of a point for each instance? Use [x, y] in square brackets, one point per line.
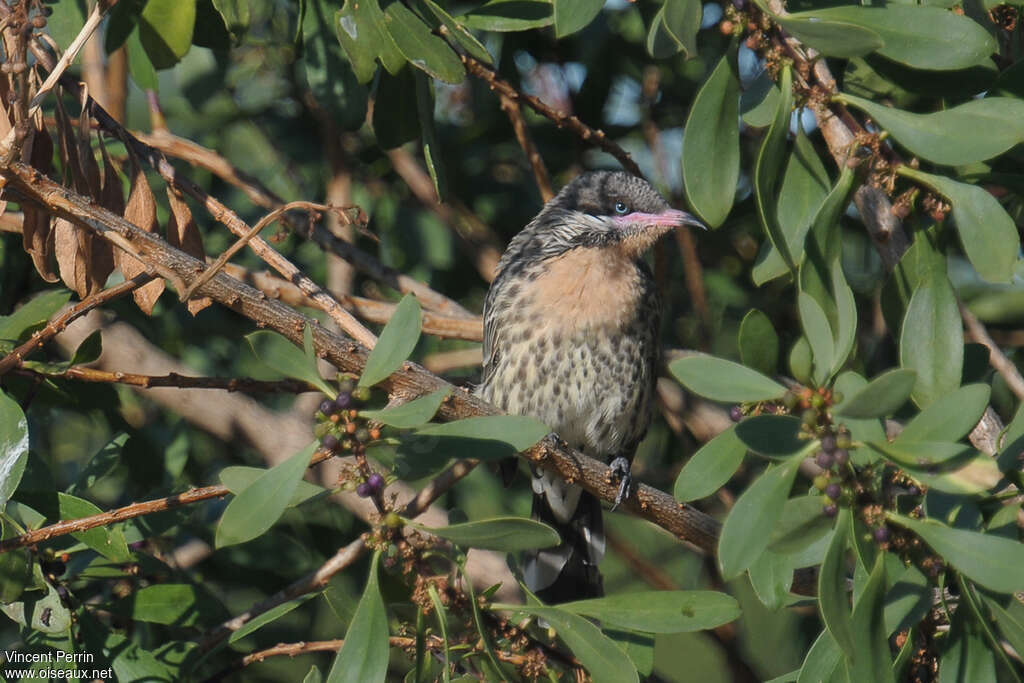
[568, 571]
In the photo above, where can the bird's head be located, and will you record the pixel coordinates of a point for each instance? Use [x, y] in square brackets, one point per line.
[609, 210]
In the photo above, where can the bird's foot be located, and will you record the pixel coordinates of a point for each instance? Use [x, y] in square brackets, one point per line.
[620, 471]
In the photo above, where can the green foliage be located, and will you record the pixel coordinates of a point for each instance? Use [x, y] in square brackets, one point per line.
[506, 534]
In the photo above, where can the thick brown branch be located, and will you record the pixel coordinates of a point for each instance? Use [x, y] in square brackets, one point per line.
[590, 135]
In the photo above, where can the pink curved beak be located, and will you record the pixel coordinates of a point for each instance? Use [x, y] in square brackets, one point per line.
[672, 218]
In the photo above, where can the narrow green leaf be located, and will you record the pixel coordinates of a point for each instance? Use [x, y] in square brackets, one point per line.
[821, 660]
[422, 48]
[364, 656]
[412, 414]
[505, 534]
[431, 146]
[518, 431]
[661, 43]
[270, 615]
[819, 336]
[872, 660]
[991, 561]
[921, 453]
[978, 475]
[139, 65]
[768, 169]
[933, 315]
[332, 81]
[950, 417]
[1010, 627]
[987, 232]
[660, 611]
[834, 38]
[88, 350]
[109, 543]
[771, 577]
[846, 312]
[168, 603]
[682, 20]
[723, 380]
[13, 447]
[881, 397]
[774, 436]
[396, 341]
[364, 38]
[747, 530]
[711, 165]
[509, 15]
[833, 600]
[759, 343]
[966, 655]
[603, 659]
[238, 478]
[100, 464]
[16, 326]
[466, 40]
[165, 29]
[710, 467]
[573, 15]
[258, 507]
[800, 525]
[279, 354]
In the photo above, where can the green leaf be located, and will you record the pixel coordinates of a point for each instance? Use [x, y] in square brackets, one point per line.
[100, 464]
[279, 354]
[16, 566]
[109, 543]
[396, 342]
[18, 325]
[805, 185]
[974, 131]
[872, 660]
[573, 15]
[833, 600]
[235, 14]
[431, 146]
[882, 396]
[661, 42]
[238, 478]
[362, 32]
[364, 656]
[834, 38]
[978, 475]
[774, 436]
[639, 647]
[682, 20]
[771, 577]
[921, 453]
[509, 15]
[660, 611]
[505, 534]
[331, 78]
[846, 312]
[933, 316]
[819, 336]
[768, 170]
[723, 380]
[907, 32]
[412, 414]
[949, 417]
[46, 615]
[67, 20]
[747, 530]
[89, 350]
[313, 675]
[966, 654]
[800, 525]
[422, 48]
[139, 65]
[518, 431]
[821, 660]
[13, 447]
[466, 40]
[1010, 627]
[987, 232]
[711, 165]
[253, 511]
[710, 467]
[165, 30]
[270, 615]
[168, 603]
[759, 343]
[603, 659]
[991, 561]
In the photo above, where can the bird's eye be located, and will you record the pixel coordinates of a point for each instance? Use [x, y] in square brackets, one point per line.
[621, 208]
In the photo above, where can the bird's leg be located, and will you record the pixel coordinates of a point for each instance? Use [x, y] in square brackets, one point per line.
[620, 470]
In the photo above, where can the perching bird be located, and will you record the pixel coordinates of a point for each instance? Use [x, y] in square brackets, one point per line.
[571, 338]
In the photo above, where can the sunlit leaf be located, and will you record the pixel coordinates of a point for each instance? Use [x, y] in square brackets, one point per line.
[723, 380]
[505, 534]
[396, 342]
[364, 656]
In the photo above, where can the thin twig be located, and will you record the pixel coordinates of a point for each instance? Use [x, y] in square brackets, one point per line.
[996, 358]
[593, 136]
[540, 172]
[242, 384]
[62, 320]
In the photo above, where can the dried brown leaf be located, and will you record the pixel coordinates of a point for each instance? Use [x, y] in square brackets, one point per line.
[37, 229]
[183, 233]
[69, 150]
[73, 250]
[141, 211]
[112, 193]
[90, 170]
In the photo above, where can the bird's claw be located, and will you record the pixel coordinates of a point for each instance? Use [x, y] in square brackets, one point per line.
[620, 470]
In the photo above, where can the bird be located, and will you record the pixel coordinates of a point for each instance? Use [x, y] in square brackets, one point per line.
[571, 325]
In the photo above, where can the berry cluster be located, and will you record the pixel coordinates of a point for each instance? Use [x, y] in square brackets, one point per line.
[340, 429]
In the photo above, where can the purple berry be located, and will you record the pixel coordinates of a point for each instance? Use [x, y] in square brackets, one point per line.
[375, 481]
[828, 443]
[736, 413]
[881, 534]
[327, 408]
[833, 491]
[824, 460]
[364, 490]
[842, 456]
[830, 510]
[330, 442]
[343, 401]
